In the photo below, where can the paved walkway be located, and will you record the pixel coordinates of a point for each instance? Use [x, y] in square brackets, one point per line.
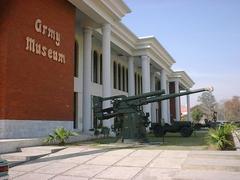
[83, 163]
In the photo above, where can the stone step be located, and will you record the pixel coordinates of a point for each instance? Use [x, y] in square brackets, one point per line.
[30, 153]
[13, 145]
[50, 149]
[21, 156]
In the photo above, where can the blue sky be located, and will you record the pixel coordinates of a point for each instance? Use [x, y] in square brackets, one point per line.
[203, 36]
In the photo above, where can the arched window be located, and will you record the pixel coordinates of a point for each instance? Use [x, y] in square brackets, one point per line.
[157, 84]
[119, 77]
[135, 80]
[95, 66]
[101, 69]
[114, 75]
[139, 84]
[76, 59]
[127, 78]
[123, 79]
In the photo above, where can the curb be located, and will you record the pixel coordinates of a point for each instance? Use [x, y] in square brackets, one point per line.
[236, 141]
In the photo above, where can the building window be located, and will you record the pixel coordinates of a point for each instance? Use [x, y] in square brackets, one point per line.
[114, 75]
[135, 81]
[123, 79]
[76, 59]
[157, 84]
[141, 88]
[75, 110]
[139, 84]
[95, 66]
[119, 77]
[127, 78]
[101, 69]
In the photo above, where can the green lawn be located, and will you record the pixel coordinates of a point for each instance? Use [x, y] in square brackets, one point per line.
[172, 141]
[175, 141]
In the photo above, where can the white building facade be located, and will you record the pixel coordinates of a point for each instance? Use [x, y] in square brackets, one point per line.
[112, 60]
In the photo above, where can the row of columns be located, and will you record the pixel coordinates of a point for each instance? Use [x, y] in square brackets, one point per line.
[147, 77]
[87, 64]
[147, 87]
[178, 104]
[106, 87]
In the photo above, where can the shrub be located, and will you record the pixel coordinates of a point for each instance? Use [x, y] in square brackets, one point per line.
[221, 137]
[60, 135]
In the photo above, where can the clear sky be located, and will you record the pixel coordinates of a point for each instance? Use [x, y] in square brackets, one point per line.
[203, 36]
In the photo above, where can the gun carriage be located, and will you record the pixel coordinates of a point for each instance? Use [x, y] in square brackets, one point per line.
[130, 120]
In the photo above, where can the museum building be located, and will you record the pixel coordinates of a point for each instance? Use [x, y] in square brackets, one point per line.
[55, 55]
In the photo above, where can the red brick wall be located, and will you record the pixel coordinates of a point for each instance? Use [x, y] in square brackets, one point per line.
[33, 86]
[3, 52]
[172, 101]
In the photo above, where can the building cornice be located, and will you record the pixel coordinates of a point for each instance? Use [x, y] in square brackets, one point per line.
[102, 11]
[123, 34]
[155, 44]
[156, 59]
[184, 79]
[118, 8]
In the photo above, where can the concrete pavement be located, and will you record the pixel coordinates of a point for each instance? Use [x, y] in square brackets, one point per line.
[91, 163]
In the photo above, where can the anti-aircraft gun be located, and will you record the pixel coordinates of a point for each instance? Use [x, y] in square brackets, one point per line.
[130, 120]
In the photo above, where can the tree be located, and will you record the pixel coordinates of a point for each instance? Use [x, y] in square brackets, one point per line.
[220, 110]
[208, 101]
[197, 114]
[232, 109]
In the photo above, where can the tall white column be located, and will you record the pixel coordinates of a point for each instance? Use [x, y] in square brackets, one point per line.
[106, 58]
[153, 105]
[146, 81]
[164, 104]
[131, 82]
[87, 64]
[177, 101]
[168, 103]
[188, 109]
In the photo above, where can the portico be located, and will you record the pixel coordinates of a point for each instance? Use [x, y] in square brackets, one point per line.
[179, 81]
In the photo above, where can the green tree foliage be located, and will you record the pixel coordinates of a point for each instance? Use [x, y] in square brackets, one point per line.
[197, 114]
[232, 109]
[208, 101]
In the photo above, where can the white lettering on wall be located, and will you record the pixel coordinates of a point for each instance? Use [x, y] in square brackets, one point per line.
[33, 46]
[38, 25]
[47, 31]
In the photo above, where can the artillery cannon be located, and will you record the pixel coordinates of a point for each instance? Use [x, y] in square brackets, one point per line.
[130, 120]
[185, 128]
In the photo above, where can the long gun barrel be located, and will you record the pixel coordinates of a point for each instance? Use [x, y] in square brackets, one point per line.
[174, 95]
[145, 95]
